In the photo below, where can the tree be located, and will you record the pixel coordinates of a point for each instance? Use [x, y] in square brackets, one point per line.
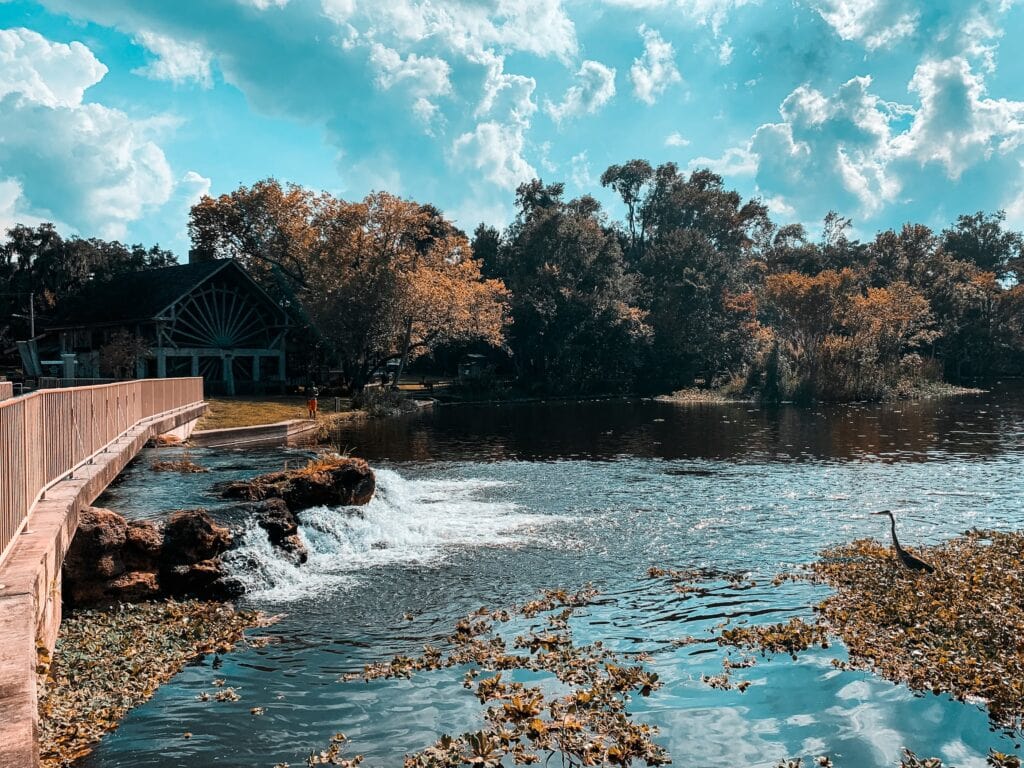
[120, 355]
[982, 241]
[392, 279]
[630, 180]
[37, 262]
[805, 311]
[575, 323]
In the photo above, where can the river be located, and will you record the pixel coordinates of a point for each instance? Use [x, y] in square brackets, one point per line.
[488, 504]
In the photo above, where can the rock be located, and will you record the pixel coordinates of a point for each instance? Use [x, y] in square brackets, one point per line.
[133, 587]
[96, 550]
[190, 536]
[333, 481]
[281, 526]
[143, 545]
[206, 578]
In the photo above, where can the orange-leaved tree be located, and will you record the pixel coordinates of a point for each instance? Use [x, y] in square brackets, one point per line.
[391, 279]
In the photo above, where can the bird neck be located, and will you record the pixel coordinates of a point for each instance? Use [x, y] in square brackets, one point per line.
[892, 523]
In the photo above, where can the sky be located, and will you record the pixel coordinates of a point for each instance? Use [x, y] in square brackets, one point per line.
[117, 115]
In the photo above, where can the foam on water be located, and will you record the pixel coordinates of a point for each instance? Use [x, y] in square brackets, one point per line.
[408, 521]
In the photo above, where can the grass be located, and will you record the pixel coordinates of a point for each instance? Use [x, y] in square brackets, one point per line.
[226, 412]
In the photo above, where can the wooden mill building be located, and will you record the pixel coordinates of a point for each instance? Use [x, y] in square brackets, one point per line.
[206, 319]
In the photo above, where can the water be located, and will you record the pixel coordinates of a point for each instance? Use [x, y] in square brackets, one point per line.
[486, 505]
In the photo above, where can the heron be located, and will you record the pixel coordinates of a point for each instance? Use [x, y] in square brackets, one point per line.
[911, 562]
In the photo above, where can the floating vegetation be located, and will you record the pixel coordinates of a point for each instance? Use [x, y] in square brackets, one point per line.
[107, 662]
[184, 465]
[589, 725]
[958, 631]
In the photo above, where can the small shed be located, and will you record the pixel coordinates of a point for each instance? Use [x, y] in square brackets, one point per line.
[473, 366]
[208, 319]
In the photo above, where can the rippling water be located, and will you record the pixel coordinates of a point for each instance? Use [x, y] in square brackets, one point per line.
[486, 505]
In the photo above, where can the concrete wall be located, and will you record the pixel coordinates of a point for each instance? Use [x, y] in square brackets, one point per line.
[30, 595]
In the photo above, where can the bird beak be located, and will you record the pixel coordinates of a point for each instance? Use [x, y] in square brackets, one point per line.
[883, 512]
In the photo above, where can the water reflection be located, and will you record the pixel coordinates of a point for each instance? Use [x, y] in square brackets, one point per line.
[974, 425]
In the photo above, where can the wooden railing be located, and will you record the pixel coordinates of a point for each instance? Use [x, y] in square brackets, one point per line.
[48, 434]
[6, 390]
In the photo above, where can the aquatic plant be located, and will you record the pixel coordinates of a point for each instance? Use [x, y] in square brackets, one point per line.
[107, 662]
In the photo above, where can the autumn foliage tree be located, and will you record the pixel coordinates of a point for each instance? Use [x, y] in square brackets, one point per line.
[376, 280]
[392, 279]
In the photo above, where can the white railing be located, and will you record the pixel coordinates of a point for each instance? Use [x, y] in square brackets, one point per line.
[48, 434]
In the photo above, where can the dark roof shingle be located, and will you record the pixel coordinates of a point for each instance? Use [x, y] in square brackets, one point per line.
[133, 296]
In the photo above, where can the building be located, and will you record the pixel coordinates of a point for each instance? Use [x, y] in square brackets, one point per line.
[206, 319]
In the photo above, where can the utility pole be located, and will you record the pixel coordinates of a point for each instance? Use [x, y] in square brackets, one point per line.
[31, 316]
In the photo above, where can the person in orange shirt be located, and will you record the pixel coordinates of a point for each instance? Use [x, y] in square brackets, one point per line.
[311, 402]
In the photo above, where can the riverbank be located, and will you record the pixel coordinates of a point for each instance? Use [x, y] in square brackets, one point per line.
[106, 662]
[907, 391]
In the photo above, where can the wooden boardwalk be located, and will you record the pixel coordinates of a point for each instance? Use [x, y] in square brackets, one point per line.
[59, 449]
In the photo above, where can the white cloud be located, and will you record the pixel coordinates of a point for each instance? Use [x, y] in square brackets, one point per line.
[877, 23]
[495, 151]
[193, 187]
[736, 161]
[676, 140]
[51, 74]
[264, 4]
[580, 171]
[842, 150]
[540, 27]
[656, 69]
[725, 52]
[957, 125]
[110, 169]
[176, 61]
[711, 13]
[420, 75]
[506, 97]
[596, 88]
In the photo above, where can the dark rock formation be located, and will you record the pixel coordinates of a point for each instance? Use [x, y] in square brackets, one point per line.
[281, 526]
[333, 481]
[112, 560]
[189, 562]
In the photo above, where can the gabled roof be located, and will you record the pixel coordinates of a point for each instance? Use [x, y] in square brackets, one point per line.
[138, 296]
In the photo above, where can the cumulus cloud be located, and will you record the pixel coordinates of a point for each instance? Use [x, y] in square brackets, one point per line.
[110, 169]
[176, 61]
[495, 151]
[420, 75]
[594, 89]
[957, 125]
[423, 77]
[676, 139]
[540, 27]
[656, 69]
[847, 150]
[876, 23]
[51, 74]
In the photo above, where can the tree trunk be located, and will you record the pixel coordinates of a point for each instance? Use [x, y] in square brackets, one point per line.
[405, 353]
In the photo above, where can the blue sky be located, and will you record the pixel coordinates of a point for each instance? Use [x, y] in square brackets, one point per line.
[116, 115]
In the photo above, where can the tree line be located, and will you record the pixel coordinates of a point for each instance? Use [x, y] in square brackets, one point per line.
[694, 286]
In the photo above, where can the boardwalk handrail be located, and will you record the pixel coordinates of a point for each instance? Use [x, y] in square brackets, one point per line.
[48, 434]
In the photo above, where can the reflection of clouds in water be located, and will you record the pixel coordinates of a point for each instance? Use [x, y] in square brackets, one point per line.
[719, 737]
[868, 723]
[959, 754]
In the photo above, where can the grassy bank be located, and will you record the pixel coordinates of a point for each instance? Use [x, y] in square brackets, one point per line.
[227, 412]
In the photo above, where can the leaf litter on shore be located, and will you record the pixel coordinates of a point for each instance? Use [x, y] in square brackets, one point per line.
[108, 661]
